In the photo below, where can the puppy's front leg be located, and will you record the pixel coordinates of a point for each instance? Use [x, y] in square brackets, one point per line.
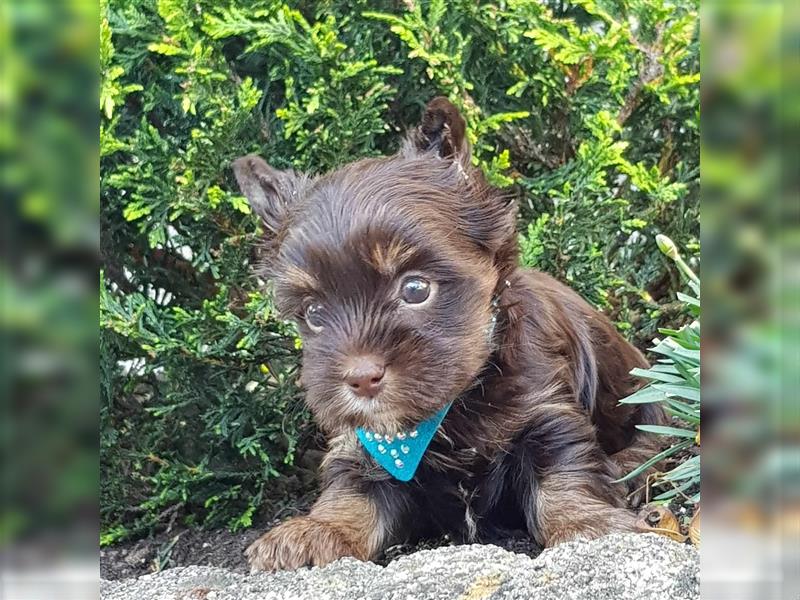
[570, 506]
[342, 522]
[570, 489]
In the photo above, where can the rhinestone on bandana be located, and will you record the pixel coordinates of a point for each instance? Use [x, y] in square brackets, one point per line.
[398, 463]
[381, 449]
[404, 449]
[393, 452]
[368, 435]
[389, 439]
[378, 437]
[401, 436]
[414, 433]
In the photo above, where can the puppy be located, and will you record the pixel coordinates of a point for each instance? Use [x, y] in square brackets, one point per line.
[417, 320]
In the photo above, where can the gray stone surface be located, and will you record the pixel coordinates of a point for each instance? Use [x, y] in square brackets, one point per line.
[618, 567]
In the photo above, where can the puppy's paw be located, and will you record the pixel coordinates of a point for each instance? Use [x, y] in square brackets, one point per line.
[592, 525]
[299, 542]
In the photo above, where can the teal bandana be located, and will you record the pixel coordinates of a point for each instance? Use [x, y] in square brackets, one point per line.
[401, 453]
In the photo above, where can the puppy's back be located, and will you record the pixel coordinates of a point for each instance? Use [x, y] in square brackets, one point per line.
[601, 358]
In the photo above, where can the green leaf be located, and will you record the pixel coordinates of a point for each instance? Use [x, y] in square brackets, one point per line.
[688, 299]
[681, 391]
[656, 375]
[240, 203]
[644, 396]
[664, 430]
[165, 49]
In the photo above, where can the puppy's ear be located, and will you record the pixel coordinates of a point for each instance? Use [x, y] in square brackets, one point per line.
[269, 191]
[442, 129]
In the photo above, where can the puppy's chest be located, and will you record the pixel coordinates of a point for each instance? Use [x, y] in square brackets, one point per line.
[468, 475]
[476, 434]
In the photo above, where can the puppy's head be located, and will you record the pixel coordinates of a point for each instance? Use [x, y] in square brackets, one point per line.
[389, 267]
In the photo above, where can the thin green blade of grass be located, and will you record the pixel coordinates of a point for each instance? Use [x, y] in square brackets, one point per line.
[657, 458]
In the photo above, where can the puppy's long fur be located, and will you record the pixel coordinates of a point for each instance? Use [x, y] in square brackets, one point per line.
[535, 436]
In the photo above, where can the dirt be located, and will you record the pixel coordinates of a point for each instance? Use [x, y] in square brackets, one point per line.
[184, 546]
[221, 548]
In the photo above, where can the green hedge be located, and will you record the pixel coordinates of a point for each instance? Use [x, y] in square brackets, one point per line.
[586, 110]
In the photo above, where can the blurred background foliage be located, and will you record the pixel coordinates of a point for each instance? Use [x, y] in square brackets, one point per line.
[586, 110]
[48, 274]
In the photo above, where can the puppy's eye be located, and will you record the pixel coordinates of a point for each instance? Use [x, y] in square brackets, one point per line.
[313, 316]
[415, 290]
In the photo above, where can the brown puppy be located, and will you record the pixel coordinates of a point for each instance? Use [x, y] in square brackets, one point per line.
[403, 276]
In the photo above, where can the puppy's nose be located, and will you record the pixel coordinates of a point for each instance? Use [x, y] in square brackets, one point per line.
[364, 375]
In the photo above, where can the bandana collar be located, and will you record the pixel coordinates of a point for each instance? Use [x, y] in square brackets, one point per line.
[401, 453]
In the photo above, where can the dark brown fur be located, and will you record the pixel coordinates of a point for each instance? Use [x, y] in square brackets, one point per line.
[535, 436]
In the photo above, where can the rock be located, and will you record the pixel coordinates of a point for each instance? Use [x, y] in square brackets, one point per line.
[618, 567]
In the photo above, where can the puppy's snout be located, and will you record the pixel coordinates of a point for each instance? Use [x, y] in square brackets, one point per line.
[364, 375]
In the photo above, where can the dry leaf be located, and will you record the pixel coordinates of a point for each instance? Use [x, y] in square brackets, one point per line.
[659, 519]
[694, 528]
